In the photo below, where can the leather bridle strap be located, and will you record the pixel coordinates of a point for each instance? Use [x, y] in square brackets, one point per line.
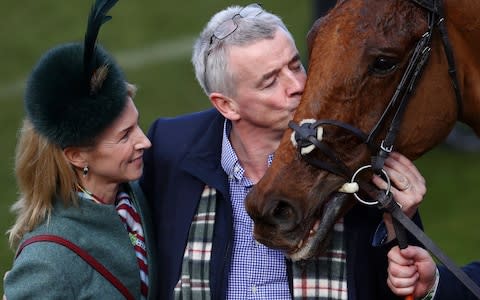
[447, 47]
[386, 202]
[427, 4]
[404, 91]
[436, 7]
[306, 135]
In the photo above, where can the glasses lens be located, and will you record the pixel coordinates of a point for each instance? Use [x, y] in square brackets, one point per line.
[229, 26]
[251, 10]
[225, 29]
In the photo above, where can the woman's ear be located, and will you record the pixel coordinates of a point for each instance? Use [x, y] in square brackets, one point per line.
[225, 105]
[76, 156]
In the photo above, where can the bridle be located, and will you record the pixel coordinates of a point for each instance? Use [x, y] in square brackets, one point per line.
[305, 135]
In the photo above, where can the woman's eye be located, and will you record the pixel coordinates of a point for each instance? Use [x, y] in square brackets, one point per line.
[125, 136]
[383, 65]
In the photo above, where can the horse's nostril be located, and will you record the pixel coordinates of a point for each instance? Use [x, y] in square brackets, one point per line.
[283, 211]
[284, 215]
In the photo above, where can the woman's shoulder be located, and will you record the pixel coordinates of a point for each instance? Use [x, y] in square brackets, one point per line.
[41, 265]
[45, 243]
[46, 251]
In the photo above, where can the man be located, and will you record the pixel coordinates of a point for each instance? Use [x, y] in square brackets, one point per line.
[413, 271]
[202, 165]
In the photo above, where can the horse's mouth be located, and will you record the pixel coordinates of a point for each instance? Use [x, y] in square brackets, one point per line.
[317, 238]
[305, 246]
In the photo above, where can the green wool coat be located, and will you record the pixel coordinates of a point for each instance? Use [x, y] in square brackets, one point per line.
[46, 270]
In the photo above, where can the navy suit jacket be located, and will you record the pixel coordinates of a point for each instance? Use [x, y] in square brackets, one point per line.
[184, 157]
[449, 287]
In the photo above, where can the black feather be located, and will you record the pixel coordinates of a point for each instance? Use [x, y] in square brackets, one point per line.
[96, 19]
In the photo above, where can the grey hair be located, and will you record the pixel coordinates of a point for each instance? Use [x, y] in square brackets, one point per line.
[210, 55]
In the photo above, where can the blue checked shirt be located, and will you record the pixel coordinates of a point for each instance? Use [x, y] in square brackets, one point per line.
[257, 272]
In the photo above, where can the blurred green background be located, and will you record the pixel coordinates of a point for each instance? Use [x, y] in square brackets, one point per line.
[152, 41]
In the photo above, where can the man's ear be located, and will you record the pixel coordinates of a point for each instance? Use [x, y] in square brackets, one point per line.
[225, 105]
[76, 156]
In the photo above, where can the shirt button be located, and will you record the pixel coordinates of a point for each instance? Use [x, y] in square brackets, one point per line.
[254, 289]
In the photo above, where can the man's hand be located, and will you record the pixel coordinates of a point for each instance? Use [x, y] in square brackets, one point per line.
[410, 271]
[408, 187]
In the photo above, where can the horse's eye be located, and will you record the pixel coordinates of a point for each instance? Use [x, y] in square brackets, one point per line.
[383, 65]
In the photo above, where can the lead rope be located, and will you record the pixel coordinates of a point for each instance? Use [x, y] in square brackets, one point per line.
[384, 200]
[308, 134]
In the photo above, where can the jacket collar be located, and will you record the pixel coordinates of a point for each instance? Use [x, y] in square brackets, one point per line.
[203, 159]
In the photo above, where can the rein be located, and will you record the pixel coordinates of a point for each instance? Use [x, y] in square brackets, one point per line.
[306, 135]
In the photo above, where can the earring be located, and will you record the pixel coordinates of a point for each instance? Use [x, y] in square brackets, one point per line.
[85, 171]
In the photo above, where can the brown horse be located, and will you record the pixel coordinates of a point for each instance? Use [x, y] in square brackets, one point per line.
[358, 54]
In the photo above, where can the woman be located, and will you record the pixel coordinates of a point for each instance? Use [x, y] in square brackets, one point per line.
[81, 224]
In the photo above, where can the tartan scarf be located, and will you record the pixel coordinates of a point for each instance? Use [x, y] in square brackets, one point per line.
[194, 282]
[322, 278]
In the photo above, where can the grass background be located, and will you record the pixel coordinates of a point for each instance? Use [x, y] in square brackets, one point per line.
[152, 41]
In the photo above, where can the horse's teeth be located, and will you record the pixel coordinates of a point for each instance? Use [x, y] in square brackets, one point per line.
[300, 244]
[316, 226]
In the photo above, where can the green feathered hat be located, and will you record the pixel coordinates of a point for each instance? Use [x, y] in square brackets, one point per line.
[76, 90]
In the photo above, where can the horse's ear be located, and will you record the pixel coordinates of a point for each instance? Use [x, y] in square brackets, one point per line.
[312, 33]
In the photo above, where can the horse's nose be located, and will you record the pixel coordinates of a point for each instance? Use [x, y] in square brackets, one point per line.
[283, 214]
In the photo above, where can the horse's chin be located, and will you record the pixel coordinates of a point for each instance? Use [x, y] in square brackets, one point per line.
[318, 237]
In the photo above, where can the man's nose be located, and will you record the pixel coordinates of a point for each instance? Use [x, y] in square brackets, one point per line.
[296, 83]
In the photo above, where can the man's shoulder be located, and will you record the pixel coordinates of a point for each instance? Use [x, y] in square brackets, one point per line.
[187, 127]
[183, 120]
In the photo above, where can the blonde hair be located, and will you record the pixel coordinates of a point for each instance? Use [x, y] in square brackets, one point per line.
[43, 173]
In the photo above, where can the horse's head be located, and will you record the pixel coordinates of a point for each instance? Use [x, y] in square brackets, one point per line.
[358, 55]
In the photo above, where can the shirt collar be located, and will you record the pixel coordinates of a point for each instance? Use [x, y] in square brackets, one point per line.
[229, 159]
[230, 163]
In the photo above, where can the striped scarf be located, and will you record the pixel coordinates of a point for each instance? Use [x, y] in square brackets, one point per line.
[322, 278]
[131, 220]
